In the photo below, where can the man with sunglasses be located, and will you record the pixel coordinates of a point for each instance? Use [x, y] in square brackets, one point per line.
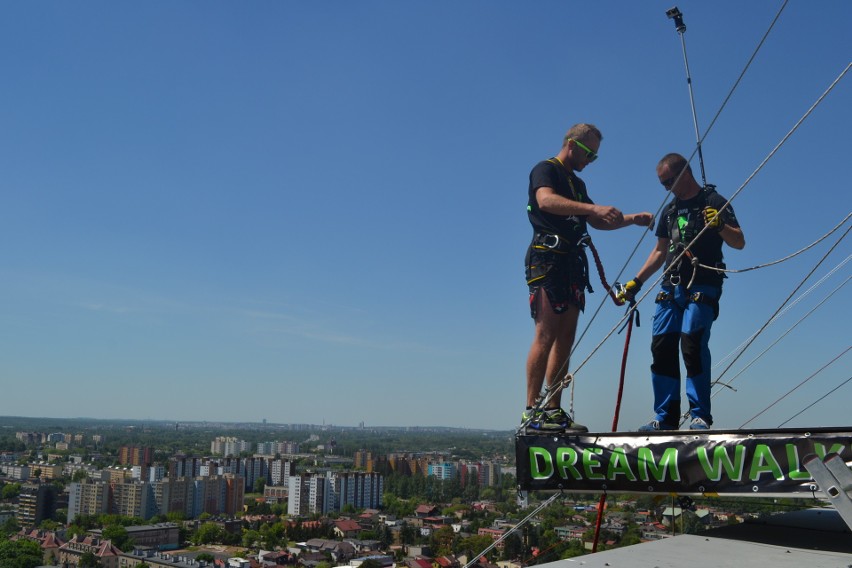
[559, 208]
[690, 232]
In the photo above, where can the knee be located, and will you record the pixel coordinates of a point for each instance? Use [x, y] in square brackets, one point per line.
[664, 351]
[690, 344]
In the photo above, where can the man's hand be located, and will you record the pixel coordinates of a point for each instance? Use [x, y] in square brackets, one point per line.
[643, 219]
[628, 293]
[609, 214]
[712, 218]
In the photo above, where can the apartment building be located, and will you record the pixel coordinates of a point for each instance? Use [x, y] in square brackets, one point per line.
[87, 498]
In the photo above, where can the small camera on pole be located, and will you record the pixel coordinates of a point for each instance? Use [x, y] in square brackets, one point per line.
[675, 14]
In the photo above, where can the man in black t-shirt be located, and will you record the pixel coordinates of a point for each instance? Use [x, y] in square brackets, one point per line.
[559, 209]
[688, 302]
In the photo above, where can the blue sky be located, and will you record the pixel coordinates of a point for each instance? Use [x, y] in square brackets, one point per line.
[315, 211]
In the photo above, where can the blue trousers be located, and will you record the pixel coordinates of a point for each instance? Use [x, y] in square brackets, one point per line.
[681, 324]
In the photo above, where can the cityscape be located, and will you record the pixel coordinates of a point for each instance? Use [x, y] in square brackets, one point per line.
[122, 495]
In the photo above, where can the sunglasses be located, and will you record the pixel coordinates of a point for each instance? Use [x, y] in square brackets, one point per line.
[590, 155]
[668, 183]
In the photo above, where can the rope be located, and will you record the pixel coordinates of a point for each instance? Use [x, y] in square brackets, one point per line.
[814, 402]
[780, 260]
[513, 529]
[796, 289]
[796, 387]
[750, 363]
[599, 265]
[787, 308]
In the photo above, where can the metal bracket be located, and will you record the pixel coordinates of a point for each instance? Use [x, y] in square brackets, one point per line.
[835, 480]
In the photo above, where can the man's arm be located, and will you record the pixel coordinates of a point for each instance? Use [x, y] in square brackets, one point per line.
[643, 219]
[551, 202]
[655, 260]
[733, 236]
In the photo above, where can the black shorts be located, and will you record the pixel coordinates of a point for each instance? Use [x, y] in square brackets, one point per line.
[563, 277]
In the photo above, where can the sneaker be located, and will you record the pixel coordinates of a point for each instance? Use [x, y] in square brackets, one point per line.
[655, 425]
[699, 424]
[531, 417]
[557, 419]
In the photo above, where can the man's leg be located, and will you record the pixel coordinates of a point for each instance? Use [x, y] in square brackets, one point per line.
[665, 365]
[557, 361]
[547, 329]
[697, 321]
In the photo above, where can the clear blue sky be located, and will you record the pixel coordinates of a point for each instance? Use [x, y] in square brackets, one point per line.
[315, 211]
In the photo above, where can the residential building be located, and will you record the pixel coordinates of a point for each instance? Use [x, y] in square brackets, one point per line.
[36, 502]
[306, 494]
[280, 470]
[105, 552]
[134, 455]
[133, 498]
[229, 446]
[359, 489]
[159, 536]
[87, 498]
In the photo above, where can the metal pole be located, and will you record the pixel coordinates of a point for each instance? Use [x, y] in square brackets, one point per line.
[677, 16]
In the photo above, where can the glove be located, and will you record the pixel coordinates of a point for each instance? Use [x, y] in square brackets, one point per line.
[628, 293]
[713, 219]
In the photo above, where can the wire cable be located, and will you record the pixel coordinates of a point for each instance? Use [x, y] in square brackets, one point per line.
[789, 392]
[820, 399]
[796, 289]
[782, 336]
[505, 535]
[786, 309]
[780, 260]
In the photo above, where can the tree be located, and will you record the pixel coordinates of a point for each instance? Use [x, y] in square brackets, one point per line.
[204, 557]
[88, 560]
[11, 490]
[80, 475]
[20, 554]
[11, 526]
[209, 533]
[443, 540]
[259, 484]
[119, 537]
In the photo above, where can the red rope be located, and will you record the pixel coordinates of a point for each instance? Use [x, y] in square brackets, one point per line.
[615, 419]
[600, 268]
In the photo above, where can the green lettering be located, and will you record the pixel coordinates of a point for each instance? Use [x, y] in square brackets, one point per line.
[566, 460]
[648, 467]
[794, 463]
[618, 465]
[713, 469]
[819, 450]
[546, 461]
[764, 462]
[591, 462]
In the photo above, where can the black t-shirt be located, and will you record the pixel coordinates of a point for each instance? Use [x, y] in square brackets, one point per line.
[552, 174]
[682, 221]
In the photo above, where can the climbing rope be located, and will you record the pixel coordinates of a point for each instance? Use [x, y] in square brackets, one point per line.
[780, 260]
[789, 392]
[820, 399]
[796, 289]
[788, 307]
[773, 344]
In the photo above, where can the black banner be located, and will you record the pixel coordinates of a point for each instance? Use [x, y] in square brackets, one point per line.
[766, 463]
